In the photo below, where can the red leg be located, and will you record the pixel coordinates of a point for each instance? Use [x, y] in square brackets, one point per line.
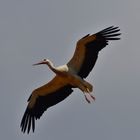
[93, 97]
[87, 99]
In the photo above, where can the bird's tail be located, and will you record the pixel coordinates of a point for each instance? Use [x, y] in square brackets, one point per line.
[89, 87]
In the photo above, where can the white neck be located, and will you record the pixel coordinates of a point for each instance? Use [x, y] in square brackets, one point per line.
[52, 67]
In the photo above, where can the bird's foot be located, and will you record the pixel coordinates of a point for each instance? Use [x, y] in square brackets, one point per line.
[88, 100]
[93, 97]
[88, 97]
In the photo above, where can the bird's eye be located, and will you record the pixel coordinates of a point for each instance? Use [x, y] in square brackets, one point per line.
[44, 60]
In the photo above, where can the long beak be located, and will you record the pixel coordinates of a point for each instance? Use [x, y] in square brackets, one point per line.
[42, 62]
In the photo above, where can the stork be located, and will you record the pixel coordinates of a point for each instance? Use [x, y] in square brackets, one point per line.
[68, 76]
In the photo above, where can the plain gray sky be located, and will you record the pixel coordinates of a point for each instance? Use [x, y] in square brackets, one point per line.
[31, 30]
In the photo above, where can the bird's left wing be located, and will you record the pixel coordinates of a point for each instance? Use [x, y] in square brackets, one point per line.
[87, 49]
[41, 99]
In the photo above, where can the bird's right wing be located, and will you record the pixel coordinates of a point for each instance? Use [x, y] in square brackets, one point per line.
[41, 99]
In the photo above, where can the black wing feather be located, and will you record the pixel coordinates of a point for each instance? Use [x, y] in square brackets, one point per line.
[41, 105]
[93, 48]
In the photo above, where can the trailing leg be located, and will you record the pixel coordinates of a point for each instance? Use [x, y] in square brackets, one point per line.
[88, 97]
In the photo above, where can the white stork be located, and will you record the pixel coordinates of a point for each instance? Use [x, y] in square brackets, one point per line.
[67, 76]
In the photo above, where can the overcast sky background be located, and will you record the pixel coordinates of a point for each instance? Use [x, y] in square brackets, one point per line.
[31, 30]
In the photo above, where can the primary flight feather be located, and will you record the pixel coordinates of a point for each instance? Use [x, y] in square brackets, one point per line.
[68, 76]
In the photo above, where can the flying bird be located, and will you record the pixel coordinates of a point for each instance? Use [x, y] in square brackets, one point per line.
[68, 76]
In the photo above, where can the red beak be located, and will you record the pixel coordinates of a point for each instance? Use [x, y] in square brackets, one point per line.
[42, 62]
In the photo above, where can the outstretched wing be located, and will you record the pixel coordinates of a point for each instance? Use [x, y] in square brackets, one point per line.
[87, 50]
[41, 99]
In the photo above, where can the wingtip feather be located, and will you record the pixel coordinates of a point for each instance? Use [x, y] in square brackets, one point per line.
[110, 33]
[27, 122]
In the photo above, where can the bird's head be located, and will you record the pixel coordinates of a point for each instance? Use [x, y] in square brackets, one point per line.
[44, 61]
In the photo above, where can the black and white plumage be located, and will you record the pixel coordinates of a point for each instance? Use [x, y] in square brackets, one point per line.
[68, 76]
